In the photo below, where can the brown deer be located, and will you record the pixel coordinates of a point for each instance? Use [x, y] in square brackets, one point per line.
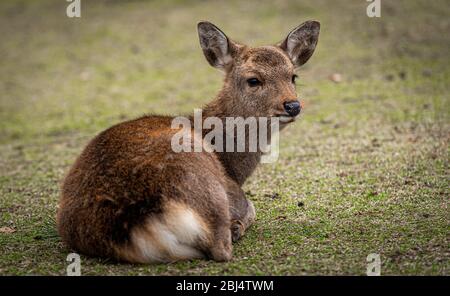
[129, 196]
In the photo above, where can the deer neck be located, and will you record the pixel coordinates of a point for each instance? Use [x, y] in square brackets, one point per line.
[238, 165]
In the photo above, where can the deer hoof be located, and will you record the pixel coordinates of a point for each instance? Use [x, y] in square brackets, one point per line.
[237, 230]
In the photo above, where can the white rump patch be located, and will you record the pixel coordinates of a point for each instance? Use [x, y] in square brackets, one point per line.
[172, 237]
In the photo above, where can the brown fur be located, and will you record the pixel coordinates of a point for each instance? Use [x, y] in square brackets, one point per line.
[128, 189]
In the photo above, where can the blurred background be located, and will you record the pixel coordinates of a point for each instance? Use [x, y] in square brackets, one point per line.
[364, 171]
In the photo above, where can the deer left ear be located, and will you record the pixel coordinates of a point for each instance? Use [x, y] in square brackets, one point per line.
[301, 42]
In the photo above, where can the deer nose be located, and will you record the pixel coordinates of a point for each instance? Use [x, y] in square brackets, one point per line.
[292, 108]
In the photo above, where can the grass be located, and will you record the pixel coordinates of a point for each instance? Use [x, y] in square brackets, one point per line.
[365, 170]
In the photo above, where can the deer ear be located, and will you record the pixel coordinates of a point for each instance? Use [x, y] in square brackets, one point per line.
[301, 42]
[216, 46]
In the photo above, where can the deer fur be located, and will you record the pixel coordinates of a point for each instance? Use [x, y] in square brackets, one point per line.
[130, 197]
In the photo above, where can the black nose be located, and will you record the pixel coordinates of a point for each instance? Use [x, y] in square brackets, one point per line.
[292, 108]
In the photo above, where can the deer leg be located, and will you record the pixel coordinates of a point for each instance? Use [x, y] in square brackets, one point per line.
[242, 212]
[239, 226]
[222, 248]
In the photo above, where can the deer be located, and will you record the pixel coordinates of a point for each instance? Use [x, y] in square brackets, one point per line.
[131, 198]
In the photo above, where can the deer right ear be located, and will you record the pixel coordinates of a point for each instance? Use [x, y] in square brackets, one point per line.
[216, 46]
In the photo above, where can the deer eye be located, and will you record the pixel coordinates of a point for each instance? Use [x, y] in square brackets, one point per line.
[252, 82]
[294, 78]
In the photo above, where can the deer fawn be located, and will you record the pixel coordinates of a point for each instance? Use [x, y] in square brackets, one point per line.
[129, 196]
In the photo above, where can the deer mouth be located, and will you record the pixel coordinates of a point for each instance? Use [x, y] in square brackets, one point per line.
[286, 118]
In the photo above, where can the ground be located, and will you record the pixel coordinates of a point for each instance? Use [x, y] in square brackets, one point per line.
[365, 170]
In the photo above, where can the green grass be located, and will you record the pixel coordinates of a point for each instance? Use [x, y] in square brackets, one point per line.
[365, 170]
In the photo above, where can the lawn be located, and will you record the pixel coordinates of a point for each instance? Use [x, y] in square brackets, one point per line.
[365, 170]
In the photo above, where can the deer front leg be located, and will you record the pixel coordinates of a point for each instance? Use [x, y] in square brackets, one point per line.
[239, 226]
[242, 211]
